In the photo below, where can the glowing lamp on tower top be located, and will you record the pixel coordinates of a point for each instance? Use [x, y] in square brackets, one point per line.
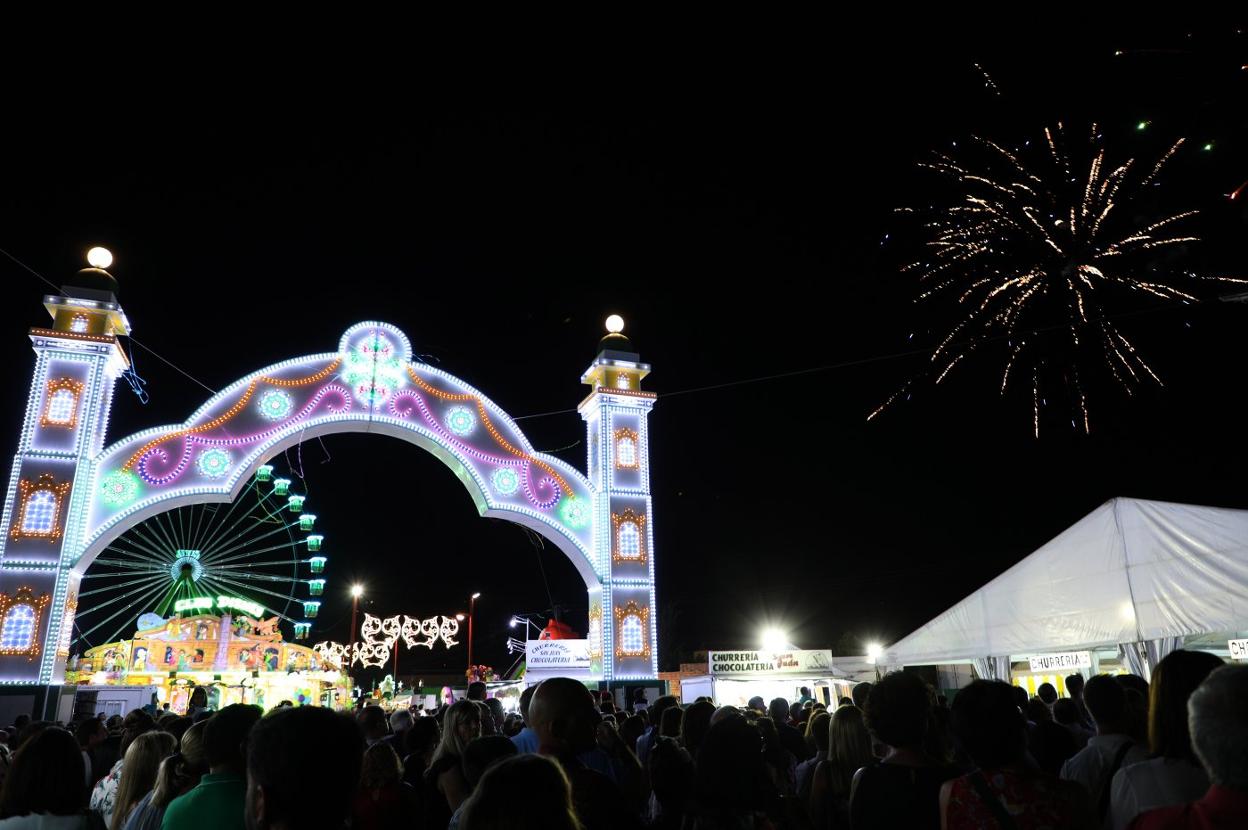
[100, 258]
[615, 324]
[773, 639]
[357, 591]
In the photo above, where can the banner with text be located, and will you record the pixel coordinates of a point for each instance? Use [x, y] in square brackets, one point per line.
[797, 661]
[556, 654]
[1239, 649]
[1044, 663]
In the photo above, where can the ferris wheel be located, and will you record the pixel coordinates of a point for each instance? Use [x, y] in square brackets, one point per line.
[256, 554]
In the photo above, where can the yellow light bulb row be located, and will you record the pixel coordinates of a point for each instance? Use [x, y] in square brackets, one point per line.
[489, 425]
[233, 410]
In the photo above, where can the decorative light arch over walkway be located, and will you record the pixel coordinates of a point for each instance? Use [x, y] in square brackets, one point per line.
[86, 495]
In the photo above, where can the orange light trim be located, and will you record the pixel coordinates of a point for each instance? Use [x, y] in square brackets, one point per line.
[27, 489]
[232, 411]
[74, 386]
[25, 595]
[489, 425]
[617, 522]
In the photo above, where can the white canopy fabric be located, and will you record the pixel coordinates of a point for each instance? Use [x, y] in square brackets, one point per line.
[1130, 571]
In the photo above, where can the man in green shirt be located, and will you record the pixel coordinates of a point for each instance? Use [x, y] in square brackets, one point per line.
[217, 802]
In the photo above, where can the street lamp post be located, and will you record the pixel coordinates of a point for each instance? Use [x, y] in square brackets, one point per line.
[357, 591]
[472, 603]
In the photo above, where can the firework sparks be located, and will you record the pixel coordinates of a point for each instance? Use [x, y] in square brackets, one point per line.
[1037, 257]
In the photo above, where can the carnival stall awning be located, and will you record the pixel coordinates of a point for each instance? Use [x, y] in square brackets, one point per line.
[1130, 571]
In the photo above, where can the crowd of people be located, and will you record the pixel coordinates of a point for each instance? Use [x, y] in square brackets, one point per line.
[1117, 753]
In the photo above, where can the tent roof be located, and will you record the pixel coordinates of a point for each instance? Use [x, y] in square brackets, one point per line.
[1130, 570]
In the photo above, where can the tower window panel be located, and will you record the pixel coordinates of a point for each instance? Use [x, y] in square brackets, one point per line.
[632, 635]
[19, 628]
[41, 512]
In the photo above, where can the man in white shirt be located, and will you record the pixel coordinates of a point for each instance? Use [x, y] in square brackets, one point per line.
[1111, 748]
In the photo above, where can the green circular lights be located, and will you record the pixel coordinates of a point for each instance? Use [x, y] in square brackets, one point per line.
[213, 463]
[575, 512]
[506, 482]
[276, 404]
[119, 488]
[460, 420]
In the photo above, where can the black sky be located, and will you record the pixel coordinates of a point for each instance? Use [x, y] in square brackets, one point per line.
[731, 202]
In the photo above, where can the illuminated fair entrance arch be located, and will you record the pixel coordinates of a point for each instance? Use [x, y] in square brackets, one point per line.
[69, 496]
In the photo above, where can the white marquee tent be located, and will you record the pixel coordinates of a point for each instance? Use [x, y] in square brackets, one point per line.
[1130, 572]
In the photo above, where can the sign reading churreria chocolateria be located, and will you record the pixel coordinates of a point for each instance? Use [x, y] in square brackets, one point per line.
[796, 661]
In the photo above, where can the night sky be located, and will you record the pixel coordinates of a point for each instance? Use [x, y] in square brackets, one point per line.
[731, 202]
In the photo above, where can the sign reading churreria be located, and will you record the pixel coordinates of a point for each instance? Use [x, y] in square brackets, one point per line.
[1055, 662]
[797, 661]
[562, 654]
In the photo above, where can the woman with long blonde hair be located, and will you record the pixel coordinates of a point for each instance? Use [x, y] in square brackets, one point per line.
[849, 749]
[142, 761]
[445, 786]
[178, 773]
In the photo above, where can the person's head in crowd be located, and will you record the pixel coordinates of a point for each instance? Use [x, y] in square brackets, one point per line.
[987, 725]
[1218, 722]
[860, 693]
[526, 698]
[849, 748]
[30, 730]
[461, 724]
[487, 719]
[135, 724]
[1137, 705]
[1020, 697]
[1106, 700]
[225, 737]
[483, 753]
[284, 790]
[607, 706]
[113, 723]
[898, 710]
[476, 690]
[1047, 693]
[844, 701]
[1037, 712]
[671, 775]
[420, 741]
[21, 722]
[631, 729]
[669, 726]
[182, 770]
[817, 730]
[504, 797]
[726, 712]
[693, 726]
[564, 717]
[142, 762]
[400, 721]
[661, 705]
[381, 767]
[1176, 677]
[778, 710]
[1074, 686]
[1066, 712]
[495, 707]
[176, 725]
[47, 775]
[90, 733]
[199, 697]
[732, 777]
[757, 704]
[797, 711]
[373, 723]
